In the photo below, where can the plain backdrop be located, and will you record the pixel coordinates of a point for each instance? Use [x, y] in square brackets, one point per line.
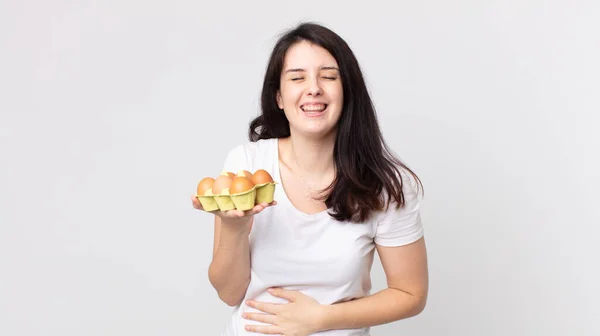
[112, 111]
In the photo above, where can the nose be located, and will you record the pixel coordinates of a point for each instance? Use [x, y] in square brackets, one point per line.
[314, 87]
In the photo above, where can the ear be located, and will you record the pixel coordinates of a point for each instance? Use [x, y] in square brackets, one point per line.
[279, 101]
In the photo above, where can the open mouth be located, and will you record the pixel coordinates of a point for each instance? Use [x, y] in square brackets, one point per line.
[313, 109]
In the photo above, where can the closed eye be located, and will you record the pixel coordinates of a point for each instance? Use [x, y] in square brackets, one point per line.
[325, 77]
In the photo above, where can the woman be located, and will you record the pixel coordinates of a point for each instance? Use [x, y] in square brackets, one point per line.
[301, 264]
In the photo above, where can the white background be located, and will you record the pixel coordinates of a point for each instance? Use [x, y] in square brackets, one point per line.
[112, 111]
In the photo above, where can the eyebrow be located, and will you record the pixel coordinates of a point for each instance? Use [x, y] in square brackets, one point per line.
[322, 68]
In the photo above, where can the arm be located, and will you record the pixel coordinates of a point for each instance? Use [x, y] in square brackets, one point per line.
[229, 271]
[407, 278]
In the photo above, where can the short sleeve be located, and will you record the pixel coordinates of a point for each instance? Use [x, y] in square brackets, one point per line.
[402, 226]
[236, 160]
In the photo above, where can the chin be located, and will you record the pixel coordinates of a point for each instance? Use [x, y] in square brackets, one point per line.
[316, 132]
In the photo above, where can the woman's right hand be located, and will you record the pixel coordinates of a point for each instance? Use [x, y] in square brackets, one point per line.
[234, 215]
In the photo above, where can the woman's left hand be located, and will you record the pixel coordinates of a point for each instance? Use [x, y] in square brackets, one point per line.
[301, 316]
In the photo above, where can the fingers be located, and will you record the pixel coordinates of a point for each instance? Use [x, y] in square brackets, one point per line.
[234, 213]
[237, 213]
[271, 308]
[261, 317]
[196, 203]
[248, 213]
[284, 294]
[258, 208]
[269, 330]
[261, 206]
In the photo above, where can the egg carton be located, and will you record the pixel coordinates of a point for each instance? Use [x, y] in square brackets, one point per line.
[246, 200]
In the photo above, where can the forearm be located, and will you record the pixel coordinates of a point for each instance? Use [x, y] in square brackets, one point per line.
[386, 306]
[229, 271]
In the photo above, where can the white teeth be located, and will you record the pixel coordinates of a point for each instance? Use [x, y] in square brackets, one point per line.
[314, 108]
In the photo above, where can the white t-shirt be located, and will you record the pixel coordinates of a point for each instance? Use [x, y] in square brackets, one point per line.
[327, 260]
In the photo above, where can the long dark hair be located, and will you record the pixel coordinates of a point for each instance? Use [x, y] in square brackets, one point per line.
[365, 165]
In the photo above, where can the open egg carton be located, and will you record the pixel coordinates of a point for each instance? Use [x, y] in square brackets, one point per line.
[241, 192]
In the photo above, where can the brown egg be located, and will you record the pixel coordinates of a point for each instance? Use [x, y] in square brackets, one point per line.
[240, 184]
[232, 175]
[245, 173]
[261, 176]
[205, 185]
[221, 182]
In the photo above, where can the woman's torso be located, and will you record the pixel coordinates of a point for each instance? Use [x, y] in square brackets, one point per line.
[327, 260]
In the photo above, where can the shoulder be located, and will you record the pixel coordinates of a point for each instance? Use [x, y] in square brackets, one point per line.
[399, 225]
[250, 154]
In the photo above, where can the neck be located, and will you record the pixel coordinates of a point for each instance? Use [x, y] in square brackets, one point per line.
[309, 156]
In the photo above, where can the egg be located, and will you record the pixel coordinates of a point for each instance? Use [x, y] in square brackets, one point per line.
[205, 185]
[230, 174]
[223, 181]
[240, 184]
[261, 176]
[245, 173]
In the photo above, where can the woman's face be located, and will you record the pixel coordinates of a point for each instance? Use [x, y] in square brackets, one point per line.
[311, 93]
